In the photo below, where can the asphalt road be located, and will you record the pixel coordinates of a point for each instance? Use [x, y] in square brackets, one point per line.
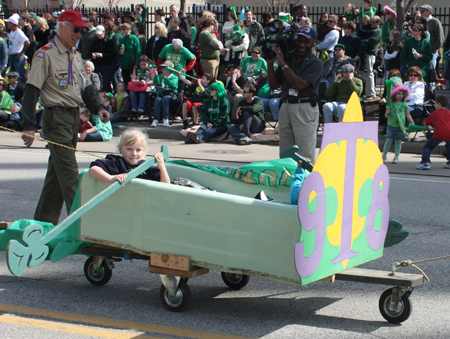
[54, 300]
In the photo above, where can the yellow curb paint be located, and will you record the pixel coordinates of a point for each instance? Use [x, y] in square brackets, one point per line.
[68, 328]
[116, 323]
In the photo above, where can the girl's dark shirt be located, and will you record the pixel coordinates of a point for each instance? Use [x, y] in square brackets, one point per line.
[115, 164]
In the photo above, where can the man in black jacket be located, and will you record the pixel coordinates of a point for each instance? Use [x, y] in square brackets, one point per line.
[178, 33]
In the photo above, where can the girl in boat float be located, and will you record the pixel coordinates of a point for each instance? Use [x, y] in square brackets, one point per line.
[133, 148]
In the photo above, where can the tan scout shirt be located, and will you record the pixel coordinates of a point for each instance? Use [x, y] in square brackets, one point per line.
[50, 73]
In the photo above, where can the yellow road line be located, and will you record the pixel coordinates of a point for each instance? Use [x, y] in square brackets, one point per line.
[116, 323]
[68, 328]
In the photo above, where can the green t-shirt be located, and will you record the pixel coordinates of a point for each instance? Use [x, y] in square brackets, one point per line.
[393, 117]
[169, 83]
[178, 58]
[251, 67]
[208, 52]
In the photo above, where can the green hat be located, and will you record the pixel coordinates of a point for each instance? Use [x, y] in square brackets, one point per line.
[339, 45]
[285, 17]
[33, 15]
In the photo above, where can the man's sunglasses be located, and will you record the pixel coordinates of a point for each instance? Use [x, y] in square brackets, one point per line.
[78, 30]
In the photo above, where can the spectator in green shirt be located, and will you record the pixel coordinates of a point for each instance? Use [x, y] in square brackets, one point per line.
[253, 67]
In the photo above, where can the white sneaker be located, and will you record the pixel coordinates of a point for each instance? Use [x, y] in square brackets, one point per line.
[154, 123]
[166, 123]
[395, 161]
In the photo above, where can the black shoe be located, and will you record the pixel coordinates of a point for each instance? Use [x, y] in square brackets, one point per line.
[185, 124]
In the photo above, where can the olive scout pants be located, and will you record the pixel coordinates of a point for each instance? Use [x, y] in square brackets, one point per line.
[61, 181]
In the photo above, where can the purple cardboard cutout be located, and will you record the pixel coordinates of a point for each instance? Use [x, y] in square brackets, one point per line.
[349, 131]
[316, 220]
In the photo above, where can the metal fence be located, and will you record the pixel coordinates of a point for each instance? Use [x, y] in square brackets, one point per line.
[314, 12]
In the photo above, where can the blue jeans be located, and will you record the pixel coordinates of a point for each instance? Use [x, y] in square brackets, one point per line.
[18, 65]
[204, 134]
[252, 124]
[431, 144]
[138, 100]
[96, 136]
[162, 104]
[333, 108]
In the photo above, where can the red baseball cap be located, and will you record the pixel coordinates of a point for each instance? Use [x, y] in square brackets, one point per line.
[74, 17]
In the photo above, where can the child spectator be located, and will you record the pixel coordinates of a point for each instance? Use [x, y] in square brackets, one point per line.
[84, 124]
[121, 105]
[167, 83]
[237, 35]
[100, 132]
[140, 80]
[215, 116]
[440, 119]
[396, 111]
[133, 148]
[199, 91]
[107, 101]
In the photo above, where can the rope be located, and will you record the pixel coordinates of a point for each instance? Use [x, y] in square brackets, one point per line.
[51, 142]
[407, 263]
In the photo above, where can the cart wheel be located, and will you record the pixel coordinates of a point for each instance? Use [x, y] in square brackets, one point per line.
[102, 277]
[235, 281]
[401, 313]
[178, 302]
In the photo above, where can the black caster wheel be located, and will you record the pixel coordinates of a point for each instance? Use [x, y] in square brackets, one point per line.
[103, 275]
[235, 281]
[178, 302]
[400, 313]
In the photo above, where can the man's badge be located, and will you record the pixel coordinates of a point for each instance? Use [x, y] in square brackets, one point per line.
[63, 84]
[40, 54]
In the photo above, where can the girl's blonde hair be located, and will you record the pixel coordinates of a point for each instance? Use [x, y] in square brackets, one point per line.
[132, 136]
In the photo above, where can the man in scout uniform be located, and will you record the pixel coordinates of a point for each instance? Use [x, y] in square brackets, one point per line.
[57, 76]
[299, 78]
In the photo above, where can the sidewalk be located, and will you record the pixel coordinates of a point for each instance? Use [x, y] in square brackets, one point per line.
[229, 154]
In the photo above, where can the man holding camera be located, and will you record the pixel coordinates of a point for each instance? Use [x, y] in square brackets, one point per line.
[299, 77]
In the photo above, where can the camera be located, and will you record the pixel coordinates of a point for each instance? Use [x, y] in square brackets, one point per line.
[276, 33]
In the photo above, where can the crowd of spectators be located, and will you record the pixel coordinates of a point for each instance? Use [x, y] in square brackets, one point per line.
[141, 76]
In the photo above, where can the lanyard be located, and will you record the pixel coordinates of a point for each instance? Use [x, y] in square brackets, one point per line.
[303, 64]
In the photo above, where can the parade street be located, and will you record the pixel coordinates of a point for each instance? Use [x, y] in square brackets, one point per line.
[54, 300]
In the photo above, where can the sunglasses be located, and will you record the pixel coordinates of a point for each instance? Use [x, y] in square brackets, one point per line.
[414, 75]
[245, 92]
[255, 52]
[422, 10]
[374, 22]
[331, 21]
[78, 30]
[417, 29]
[126, 29]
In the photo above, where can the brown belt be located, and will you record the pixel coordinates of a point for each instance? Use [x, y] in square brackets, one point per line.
[66, 109]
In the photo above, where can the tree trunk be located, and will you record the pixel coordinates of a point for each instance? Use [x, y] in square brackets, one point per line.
[183, 6]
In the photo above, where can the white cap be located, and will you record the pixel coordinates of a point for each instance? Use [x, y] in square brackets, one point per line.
[13, 19]
[177, 43]
[55, 14]
[99, 29]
